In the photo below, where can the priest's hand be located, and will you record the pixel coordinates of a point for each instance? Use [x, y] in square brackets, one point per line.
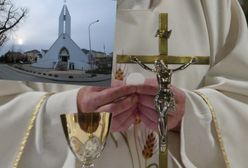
[121, 101]
[146, 106]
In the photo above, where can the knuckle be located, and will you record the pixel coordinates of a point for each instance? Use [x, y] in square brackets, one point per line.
[87, 104]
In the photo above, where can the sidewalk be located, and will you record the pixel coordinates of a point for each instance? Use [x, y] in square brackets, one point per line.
[65, 76]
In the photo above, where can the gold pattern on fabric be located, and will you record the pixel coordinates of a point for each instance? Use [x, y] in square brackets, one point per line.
[216, 127]
[28, 130]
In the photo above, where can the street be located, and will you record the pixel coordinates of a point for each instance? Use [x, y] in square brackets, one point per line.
[9, 73]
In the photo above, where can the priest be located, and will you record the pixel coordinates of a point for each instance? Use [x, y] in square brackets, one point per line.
[212, 132]
[209, 125]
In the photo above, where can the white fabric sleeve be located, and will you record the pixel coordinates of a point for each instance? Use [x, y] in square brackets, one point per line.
[47, 146]
[226, 87]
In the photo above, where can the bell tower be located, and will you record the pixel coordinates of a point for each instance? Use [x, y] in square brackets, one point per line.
[65, 22]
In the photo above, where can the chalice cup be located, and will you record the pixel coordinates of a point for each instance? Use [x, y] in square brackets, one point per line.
[86, 134]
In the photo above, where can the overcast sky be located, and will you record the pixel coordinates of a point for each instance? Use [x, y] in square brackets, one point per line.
[40, 28]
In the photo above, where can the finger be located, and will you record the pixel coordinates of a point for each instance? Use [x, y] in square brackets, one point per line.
[175, 118]
[130, 121]
[147, 100]
[148, 123]
[109, 95]
[172, 123]
[148, 113]
[172, 113]
[85, 97]
[179, 95]
[116, 83]
[151, 81]
[179, 109]
[119, 107]
[96, 88]
[147, 89]
[121, 124]
[121, 118]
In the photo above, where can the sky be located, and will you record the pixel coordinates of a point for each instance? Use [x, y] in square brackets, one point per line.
[39, 29]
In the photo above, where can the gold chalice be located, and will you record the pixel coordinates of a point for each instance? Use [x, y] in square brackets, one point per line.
[86, 134]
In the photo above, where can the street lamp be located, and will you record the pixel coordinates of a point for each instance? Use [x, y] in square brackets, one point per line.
[91, 56]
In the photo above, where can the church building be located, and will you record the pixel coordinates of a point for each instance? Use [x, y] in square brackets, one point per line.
[64, 54]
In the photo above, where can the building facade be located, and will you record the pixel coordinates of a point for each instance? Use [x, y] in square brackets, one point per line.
[64, 54]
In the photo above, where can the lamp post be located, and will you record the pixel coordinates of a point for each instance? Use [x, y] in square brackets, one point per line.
[91, 56]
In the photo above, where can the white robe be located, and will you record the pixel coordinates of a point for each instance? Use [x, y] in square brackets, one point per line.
[204, 28]
[215, 28]
[46, 146]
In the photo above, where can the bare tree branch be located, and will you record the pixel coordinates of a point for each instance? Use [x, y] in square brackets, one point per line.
[3, 39]
[10, 17]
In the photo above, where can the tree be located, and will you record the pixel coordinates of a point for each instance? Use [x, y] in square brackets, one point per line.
[10, 17]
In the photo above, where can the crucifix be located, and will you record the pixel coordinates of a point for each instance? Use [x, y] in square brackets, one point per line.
[164, 101]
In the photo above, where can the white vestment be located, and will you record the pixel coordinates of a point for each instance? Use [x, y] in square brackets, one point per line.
[199, 28]
[46, 145]
[215, 28]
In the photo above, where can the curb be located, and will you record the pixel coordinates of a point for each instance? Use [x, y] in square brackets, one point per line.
[59, 79]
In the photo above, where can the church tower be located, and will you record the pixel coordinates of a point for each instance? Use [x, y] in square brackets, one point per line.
[65, 22]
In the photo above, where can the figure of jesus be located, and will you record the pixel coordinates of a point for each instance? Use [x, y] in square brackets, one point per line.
[164, 100]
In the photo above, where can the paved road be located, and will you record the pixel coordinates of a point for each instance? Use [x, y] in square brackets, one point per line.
[9, 73]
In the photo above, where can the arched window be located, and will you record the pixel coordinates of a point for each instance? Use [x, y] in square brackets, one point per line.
[64, 55]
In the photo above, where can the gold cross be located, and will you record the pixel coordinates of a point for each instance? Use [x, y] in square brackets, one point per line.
[163, 35]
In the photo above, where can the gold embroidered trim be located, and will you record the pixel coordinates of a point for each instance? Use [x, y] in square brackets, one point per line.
[217, 128]
[29, 128]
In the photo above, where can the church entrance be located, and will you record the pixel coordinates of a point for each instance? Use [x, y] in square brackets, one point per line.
[64, 55]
